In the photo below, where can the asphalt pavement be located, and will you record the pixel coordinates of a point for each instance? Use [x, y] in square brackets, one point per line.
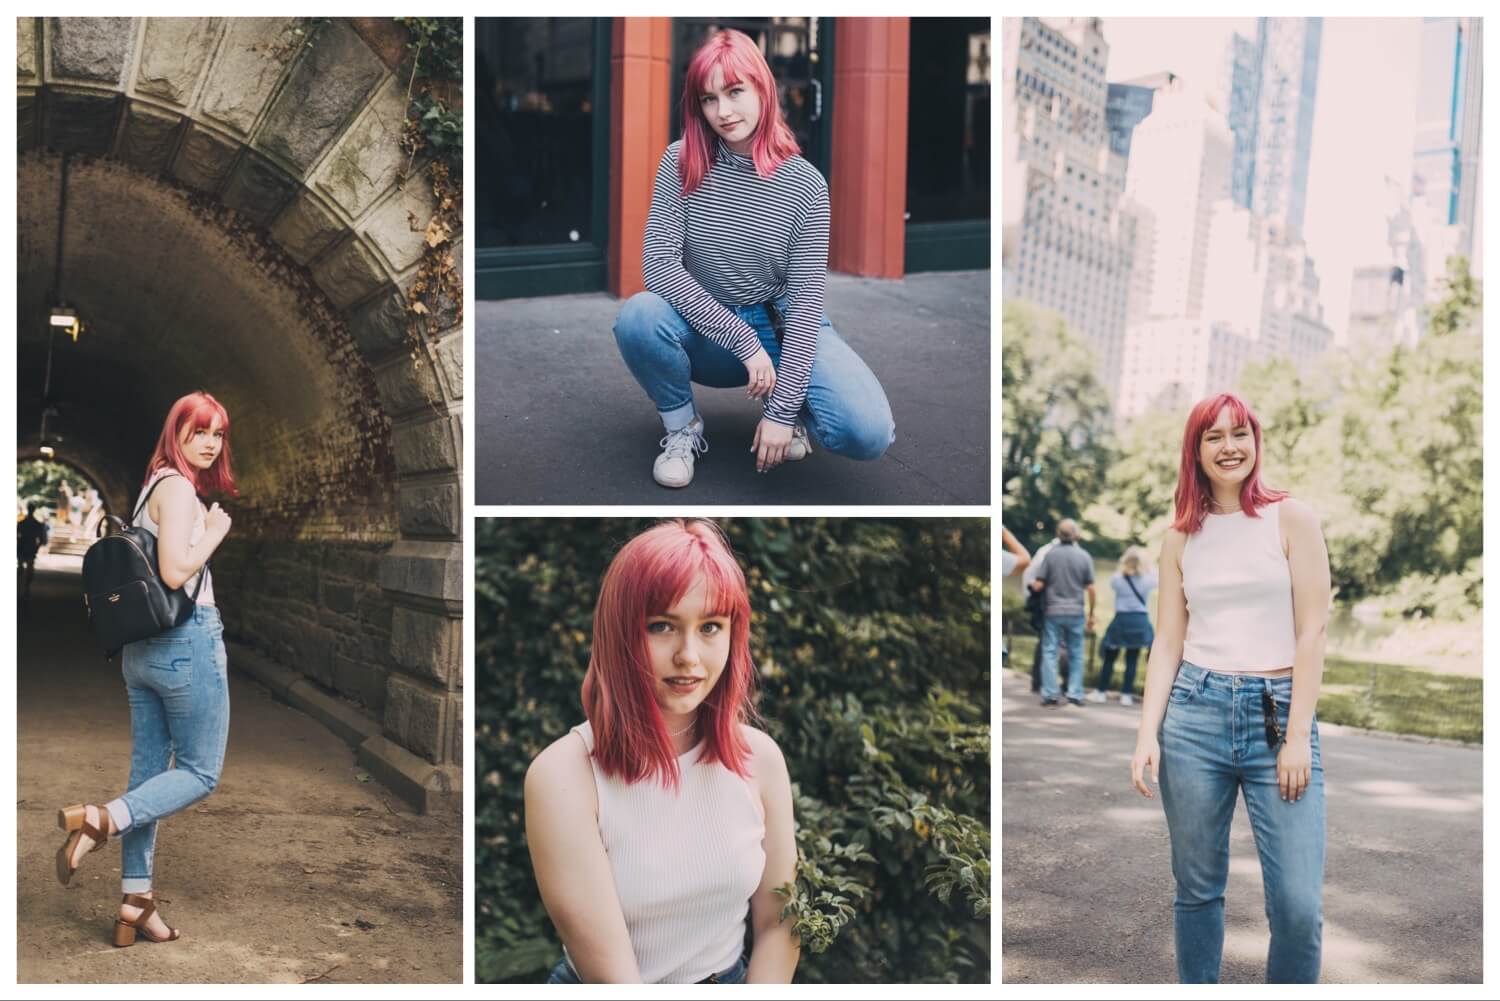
[560, 420]
[1086, 867]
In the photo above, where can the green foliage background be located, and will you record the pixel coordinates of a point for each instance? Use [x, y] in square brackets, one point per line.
[39, 481]
[872, 640]
[1387, 446]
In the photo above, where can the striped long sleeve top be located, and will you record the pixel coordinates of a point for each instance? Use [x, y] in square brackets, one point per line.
[738, 240]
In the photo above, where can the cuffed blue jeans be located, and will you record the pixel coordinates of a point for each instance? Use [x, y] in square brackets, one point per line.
[178, 683]
[1069, 629]
[1213, 745]
[846, 409]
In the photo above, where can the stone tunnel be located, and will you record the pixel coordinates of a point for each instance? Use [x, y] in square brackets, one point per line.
[224, 203]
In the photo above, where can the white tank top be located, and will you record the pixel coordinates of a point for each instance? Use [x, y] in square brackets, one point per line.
[200, 525]
[1239, 594]
[686, 863]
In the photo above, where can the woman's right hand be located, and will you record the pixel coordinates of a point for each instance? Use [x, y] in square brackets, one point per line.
[218, 521]
[762, 375]
[1147, 755]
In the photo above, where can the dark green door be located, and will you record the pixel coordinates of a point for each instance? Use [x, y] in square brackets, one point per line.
[948, 145]
[541, 155]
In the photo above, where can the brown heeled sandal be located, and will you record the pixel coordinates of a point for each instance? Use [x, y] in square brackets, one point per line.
[74, 820]
[127, 929]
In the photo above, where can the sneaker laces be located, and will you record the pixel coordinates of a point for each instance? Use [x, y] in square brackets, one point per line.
[682, 443]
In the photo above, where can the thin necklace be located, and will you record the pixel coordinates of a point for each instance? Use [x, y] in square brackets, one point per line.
[679, 733]
[1224, 510]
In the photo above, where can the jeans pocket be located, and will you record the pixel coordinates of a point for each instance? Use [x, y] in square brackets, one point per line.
[166, 662]
[1181, 693]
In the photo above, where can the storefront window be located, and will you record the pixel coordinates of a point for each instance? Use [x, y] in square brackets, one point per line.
[534, 131]
[948, 122]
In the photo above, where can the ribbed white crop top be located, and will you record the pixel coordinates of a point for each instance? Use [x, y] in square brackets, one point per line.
[200, 525]
[685, 862]
[1238, 586]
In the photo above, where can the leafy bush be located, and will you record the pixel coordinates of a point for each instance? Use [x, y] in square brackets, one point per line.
[872, 640]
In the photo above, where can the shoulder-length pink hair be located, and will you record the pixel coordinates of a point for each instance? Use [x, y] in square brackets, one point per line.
[1193, 491]
[195, 410]
[740, 59]
[647, 577]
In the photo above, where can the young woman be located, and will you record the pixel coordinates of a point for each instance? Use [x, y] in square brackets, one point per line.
[1130, 629]
[663, 825]
[736, 263]
[177, 681]
[1231, 690]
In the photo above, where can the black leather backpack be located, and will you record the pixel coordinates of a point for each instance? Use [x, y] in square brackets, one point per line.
[123, 590]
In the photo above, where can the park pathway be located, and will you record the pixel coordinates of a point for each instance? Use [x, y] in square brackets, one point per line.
[1086, 870]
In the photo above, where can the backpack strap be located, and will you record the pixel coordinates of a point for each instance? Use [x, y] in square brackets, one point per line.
[147, 495]
[203, 570]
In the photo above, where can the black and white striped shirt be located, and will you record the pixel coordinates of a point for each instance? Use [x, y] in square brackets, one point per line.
[742, 239]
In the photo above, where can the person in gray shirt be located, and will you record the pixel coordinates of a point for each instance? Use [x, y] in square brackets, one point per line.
[1067, 579]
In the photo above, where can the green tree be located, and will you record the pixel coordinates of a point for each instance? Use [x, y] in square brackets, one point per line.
[1055, 425]
[39, 481]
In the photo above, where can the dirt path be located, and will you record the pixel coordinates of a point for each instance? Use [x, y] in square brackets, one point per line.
[293, 870]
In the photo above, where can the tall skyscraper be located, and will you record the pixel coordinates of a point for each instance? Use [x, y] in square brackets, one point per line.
[1179, 168]
[1446, 161]
[1067, 245]
[1386, 300]
[1127, 105]
[1270, 93]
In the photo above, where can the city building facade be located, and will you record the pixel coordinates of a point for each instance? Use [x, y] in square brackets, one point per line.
[1068, 242]
[1446, 159]
[573, 114]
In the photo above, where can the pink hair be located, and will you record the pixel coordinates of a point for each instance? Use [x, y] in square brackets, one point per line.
[1193, 490]
[195, 410]
[647, 577]
[740, 59]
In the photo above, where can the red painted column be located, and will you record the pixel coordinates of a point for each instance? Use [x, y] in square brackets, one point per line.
[640, 92]
[868, 187]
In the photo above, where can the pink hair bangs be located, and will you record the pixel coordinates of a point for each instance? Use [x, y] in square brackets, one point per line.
[649, 576]
[1194, 494]
[740, 60]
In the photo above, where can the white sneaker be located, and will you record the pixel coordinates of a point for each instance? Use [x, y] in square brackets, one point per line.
[1097, 696]
[1127, 700]
[800, 446]
[680, 449]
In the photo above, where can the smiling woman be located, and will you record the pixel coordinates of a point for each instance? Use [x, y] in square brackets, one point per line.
[1231, 694]
[666, 758]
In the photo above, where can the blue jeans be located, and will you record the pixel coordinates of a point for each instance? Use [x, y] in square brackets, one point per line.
[1107, 668]
[178, 684]
[1067, 628]
[1213, 745]
[846, 410]
[563, 973]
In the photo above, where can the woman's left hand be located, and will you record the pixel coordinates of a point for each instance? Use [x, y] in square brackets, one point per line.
[1294, 767]
[769, 446]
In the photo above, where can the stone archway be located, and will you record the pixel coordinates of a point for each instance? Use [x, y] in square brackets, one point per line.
[222, 203]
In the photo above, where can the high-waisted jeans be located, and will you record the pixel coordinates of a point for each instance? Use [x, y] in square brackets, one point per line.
[178, 683]
[1213, 745]
[846, 408]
